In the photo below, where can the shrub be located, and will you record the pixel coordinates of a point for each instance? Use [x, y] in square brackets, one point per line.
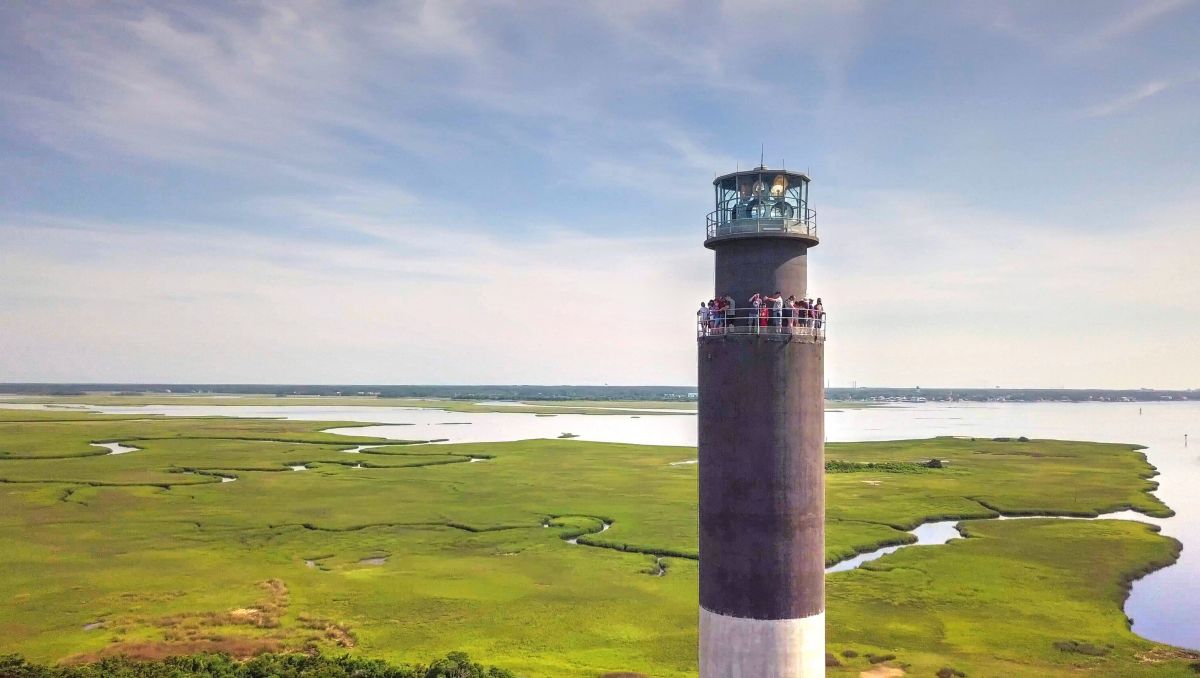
[1080, 647]
[880, 658]
[831, 660]
[459, 665]
[1022, 439]
[843, 466]
[947, 672]
[849, 654]
[934, 463]
[453, 665]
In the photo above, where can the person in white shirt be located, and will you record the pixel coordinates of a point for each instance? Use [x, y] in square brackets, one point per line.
[702, 318]
[776, 304]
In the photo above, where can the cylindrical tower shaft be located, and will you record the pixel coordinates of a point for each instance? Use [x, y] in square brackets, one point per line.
[762, 474]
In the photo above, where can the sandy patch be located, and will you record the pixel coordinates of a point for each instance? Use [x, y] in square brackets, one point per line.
[1165, 654]
[247, 615]
[873, 483]
[882, 672]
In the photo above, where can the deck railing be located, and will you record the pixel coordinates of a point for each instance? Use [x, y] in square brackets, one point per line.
[805, 324]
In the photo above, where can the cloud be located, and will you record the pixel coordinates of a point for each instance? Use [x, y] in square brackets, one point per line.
[921, 288]
[490, 191]
[1068, 31]
[1144, 92]
[1140, 16]
[924, 289]
[106, 301]
[267, 84]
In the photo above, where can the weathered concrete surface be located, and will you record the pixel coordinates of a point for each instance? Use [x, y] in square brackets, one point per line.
[761, 264]
[762, 477]
[731, 647]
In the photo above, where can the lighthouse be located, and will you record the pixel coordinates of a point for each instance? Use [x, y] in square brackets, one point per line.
[761, 436]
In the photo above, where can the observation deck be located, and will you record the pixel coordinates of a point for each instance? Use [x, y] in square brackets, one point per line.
[804, 325]
[761, 203]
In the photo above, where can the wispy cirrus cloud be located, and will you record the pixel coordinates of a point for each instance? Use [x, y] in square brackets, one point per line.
[1137, 17]
[1145, 91]
[1120, 103]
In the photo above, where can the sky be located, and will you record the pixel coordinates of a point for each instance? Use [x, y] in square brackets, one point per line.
[1008, 193]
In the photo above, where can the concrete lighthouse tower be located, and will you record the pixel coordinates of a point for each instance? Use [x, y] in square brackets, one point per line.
[762, 472]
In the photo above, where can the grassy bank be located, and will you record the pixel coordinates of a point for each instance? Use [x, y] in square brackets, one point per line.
[423, 551]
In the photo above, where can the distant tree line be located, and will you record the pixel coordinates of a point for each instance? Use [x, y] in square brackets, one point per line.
[1010, 394]
[453, 665]
[568, 392]
[464, 392]
[843, 466]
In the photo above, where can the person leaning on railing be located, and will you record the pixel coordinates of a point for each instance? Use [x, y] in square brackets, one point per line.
[756, 306]
[717, 316]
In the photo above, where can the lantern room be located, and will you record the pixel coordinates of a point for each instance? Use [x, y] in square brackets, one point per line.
[762, 202]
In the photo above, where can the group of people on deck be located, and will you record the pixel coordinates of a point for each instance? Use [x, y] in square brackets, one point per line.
[761, 312]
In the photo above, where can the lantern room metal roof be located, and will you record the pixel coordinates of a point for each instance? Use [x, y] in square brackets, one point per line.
[761, 169]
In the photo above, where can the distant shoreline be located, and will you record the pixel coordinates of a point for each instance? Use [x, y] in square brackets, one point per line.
[566, 394]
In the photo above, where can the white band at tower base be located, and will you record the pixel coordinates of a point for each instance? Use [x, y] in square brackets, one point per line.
[734, 647]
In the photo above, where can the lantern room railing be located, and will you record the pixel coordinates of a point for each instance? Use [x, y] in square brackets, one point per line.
[721, 223]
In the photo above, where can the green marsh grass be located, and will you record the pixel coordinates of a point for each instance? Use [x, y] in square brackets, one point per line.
[163, 555]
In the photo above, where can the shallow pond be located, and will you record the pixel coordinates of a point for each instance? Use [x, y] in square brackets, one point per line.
[1165, 605]
[116, 448]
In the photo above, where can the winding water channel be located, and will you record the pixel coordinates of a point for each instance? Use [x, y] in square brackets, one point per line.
[1164, 605]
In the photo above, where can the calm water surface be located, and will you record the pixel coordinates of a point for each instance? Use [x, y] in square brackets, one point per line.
[1165, 606]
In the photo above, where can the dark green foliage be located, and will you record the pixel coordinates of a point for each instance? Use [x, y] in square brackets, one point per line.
[1080, 647]
[1195, 667]
[1022, 439]
[934, 463]
[459, 665]
[880, 658]
[842, 466]
[849, 654]
[453, 665]
[831, 660]
[947, 672]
